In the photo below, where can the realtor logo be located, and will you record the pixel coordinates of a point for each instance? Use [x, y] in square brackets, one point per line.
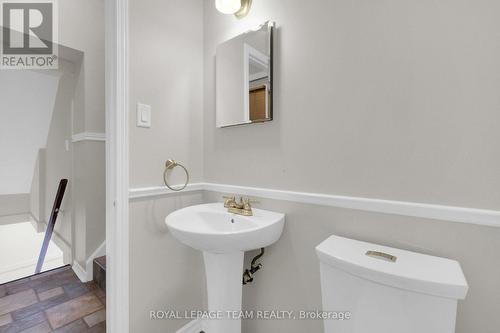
[29, 34]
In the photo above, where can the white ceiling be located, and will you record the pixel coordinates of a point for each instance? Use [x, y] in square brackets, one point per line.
[26, 104]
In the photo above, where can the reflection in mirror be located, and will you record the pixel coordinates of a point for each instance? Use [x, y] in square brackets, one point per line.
[244, 78]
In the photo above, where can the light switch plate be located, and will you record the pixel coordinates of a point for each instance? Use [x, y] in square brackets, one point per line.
[143, 115]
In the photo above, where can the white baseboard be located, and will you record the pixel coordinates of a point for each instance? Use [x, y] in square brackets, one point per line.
[87, 274]
[39, 226]
[194, 326]
[13, 219]
[80, 272]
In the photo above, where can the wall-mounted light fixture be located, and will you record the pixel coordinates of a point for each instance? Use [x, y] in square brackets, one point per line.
[239, 8]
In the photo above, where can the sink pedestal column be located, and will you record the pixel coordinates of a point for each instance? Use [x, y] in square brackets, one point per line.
[224, 288]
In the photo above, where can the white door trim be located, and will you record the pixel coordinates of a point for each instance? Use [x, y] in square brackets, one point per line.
[117, 162]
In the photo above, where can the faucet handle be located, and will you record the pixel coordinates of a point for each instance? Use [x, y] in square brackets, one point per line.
[250, 201]
[228, 200]
[247, 203]
[247, 207]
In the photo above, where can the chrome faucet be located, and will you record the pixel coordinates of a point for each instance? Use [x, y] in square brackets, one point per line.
[243, 207]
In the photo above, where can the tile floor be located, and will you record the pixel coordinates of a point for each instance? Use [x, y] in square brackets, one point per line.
[54, 301]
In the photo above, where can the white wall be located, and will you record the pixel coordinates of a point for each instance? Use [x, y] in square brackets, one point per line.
[164, 274]
[37, 190]
[24, 127]
[81, 27]
[381, 99]
[81, 41]
[14, 204]
[290, 277]
[166, 70]
[57, 157]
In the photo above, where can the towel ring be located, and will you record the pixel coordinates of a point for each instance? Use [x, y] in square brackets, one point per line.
[169, 165]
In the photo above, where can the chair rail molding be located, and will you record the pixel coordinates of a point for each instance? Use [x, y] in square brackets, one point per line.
[88, 136]
[146, 192]
[476, 216]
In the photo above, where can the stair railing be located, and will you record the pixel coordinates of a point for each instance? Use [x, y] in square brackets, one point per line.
[52, 222]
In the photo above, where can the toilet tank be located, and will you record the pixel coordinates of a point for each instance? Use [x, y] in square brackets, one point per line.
[387, 290]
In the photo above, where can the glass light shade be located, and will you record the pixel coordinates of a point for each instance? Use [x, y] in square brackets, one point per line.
[228, 6]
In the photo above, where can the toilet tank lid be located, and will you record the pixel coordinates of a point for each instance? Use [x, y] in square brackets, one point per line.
[410, 271]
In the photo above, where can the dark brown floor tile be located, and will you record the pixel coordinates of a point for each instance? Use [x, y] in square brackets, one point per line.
[100, 293]
[45, 295]
[99, 328]
[74, 309]
[56, 281]
[95, 318]
[59, 275]
[74, 327]
[16, 282]
[76, 289]
[48, 274]
[60, 302]
[15, 288]
[17, 301]
[40, 328]
[92, 285]
[22, 324]
[38, 307]
[42, 283]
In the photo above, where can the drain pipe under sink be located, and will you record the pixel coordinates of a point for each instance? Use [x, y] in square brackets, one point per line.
[254, 267]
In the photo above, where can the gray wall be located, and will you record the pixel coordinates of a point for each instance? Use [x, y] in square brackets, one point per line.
[290, 277]
[37, 190]
[89, 197]
[381, 99]
[57, 160]
[166, 70]
[164, 275]
[81, 50]
[14, 204]
[81, 28]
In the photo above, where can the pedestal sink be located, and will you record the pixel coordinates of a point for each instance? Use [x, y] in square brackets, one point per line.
[224, 237]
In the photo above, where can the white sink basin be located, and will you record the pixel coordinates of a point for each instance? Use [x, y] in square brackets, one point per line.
[224, 237]
[211, 228]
